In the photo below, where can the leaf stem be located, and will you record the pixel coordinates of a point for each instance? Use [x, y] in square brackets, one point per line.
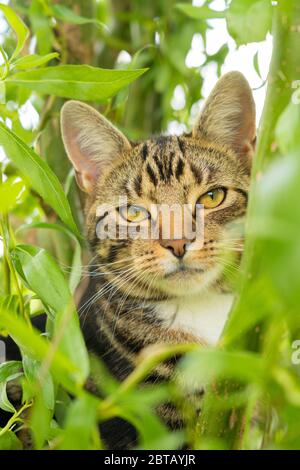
[5, 230]
[15, 417]
[6, 64]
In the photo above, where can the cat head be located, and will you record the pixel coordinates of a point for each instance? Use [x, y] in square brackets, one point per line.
[210, 166]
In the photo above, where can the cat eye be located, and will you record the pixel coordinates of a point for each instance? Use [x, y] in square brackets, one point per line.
[134, 214]
[212, 198]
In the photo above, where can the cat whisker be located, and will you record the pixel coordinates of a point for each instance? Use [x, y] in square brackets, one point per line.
[106, 289]
[135, 283]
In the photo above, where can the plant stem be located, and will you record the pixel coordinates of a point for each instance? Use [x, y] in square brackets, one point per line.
[4, 225]
[6, 64]
[14, 418]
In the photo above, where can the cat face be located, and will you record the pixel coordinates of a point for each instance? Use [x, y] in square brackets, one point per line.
[211, 166]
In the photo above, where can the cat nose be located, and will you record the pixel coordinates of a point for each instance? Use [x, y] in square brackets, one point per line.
[177, 247]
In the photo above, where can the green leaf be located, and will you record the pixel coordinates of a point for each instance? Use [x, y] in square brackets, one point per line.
[45, 278]
[2, 93]
[249, 20]
[38, 174]
[67, 329]
[10, 369]
[4, 401]
[81, 82]
[166, 441]
[102, 378]
[256, 64]
[153, 432]
[10, 192]
[41, 273]
[40, 419]
[62, 403]
[10, 302]
[40, 383]
[287, 129]
[33, 60]
[81, 425]
[199, 13]
[201, 368]
[9, 441]
[18, 26]
[37, 347]
[41, 26]
[63, 13]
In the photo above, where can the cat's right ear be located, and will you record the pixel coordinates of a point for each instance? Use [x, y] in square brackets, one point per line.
[91, 142]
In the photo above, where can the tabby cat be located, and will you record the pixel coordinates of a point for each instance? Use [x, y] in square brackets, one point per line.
[148, 291]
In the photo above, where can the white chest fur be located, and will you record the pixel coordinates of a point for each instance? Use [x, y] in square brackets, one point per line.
[204, 315]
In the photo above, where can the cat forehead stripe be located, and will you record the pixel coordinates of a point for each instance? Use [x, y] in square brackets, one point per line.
[160, 167]
[145, 151]
[181, 145]
[180, 168]
[151, 174]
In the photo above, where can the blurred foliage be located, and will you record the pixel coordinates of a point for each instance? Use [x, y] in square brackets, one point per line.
[93, 50]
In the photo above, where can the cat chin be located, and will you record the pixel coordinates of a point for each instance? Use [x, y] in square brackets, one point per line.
[187, 283]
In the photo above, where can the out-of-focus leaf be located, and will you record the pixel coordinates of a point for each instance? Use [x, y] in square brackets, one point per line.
[9, 441]
[81, 425]
[10, 302]
[249, 20]
[104, 381]
[62, 403]
[10, 192]
[176, 48]
[153, 433]
[2, 93]
[39, 381]
[153, 436]
[41, 26]
[39, 423]
[201, 367]
[278, 215]
[37, 347]
[66, 327]
[4, 401]
[199, 13]
[42, 275]
[10, 369]
[18, 26]
[45, 278]
[61, 12]
[38, 174]
[33, 60]
[287, 129]
[81, 82]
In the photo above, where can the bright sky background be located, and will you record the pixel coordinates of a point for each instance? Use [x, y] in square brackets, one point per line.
[240, 59]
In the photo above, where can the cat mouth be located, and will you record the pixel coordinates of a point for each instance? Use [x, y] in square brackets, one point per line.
[183, 270]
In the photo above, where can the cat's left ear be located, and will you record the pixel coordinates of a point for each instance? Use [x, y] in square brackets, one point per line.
[228, 117]
[91, 142]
